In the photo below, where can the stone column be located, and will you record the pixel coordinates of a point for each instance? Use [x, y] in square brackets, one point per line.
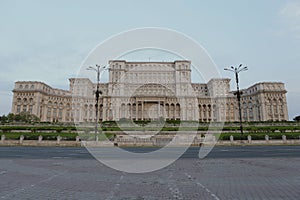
[130, 111]
[206, 113]
[40, 138]
[267, 138]
[212, 112]
[236, 114]
[136, 110]
[284, 139]
[142, 110]
[21, 139]
[58, 139]
[272, 110]
[64, 111]
[247, 110]
[278, 112]
[35, 105]
[159, 109]
[249, 139]
[231, 139]
[2, 138]
[263, 110]
[164, 111]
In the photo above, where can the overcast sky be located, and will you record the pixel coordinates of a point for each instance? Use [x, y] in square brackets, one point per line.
[48, 40]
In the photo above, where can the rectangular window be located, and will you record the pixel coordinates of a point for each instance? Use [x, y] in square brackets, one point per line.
[60, 113]
[30, 109]
[54, 112]
[48, 112]
[18, 109]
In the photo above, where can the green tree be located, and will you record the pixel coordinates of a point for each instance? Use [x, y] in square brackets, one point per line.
[297, 118]
[3, 119]
[10, 117]
[26, 117]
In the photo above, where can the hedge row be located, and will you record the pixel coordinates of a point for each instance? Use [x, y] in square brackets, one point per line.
[35, 136]
[53, 136]
[37, 128]
[59, 129]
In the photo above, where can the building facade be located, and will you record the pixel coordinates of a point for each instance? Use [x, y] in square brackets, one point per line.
[150, 90]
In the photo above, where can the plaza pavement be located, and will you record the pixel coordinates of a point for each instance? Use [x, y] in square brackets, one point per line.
[227, 173]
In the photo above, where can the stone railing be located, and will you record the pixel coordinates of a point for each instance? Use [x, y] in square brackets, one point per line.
[39, 142]
[149, 140]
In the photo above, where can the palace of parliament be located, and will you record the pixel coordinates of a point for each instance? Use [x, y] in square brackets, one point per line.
[150, 90]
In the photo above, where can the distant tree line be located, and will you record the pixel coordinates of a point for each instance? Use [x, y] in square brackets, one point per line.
[24, 117]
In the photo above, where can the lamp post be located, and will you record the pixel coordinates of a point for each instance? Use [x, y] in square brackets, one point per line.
[98, 69]
[236, 71]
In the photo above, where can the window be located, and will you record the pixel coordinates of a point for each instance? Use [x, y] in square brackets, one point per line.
[18, 109]
[24, 108]
[30, 109]
[60, 113]
[48, 112]
[54, 112]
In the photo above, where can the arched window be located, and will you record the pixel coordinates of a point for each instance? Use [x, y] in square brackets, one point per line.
[123, 110]
[85, 110]
[178, 110]
[209, 111]
[172, 109]
[204, 112]
[200, 112]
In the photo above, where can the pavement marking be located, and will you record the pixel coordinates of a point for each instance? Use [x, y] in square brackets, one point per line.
[174, 189]
[203, 187]
[57, 157]
[224, 150]
[48, 179]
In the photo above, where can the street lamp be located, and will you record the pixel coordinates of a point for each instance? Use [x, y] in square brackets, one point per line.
[98, 69]
[236, 71]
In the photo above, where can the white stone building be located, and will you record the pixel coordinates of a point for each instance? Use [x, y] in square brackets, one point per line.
[150, 90]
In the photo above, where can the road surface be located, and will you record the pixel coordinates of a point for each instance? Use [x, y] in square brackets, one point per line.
[244, 172]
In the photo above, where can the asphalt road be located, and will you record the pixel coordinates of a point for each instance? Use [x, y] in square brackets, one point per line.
[244, 172]
[217, 152]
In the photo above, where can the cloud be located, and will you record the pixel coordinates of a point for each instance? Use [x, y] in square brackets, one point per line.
[291, 10]
[290, 15]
